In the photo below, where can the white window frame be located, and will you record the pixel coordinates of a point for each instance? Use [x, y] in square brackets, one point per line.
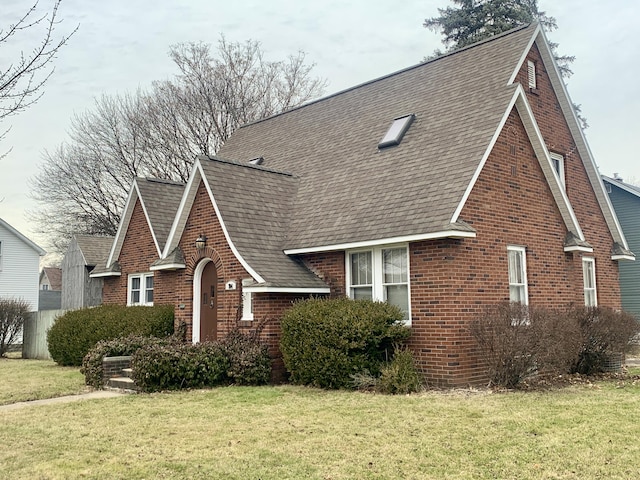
[522, 252]
[247, 301]
[378, 285]
[142, 290]
[556, 157]
[589, 300]
[531, 70]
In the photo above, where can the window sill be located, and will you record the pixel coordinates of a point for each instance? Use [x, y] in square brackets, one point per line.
[534, 91]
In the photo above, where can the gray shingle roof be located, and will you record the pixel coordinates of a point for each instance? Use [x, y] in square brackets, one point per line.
[95, 249]
[161, 199]
[348, 190]
[256, 208]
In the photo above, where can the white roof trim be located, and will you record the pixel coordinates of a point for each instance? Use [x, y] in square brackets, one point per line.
[485, 157]
[623, 257]
[523, 58]
[582, 146]
[105, 274]
[168, 266]
[183, 213]
[114, 253]
[620, 185]
[146, 215]
[29, 243]
[577, 248]
[541, 151]
[383, 241]
[267, 289]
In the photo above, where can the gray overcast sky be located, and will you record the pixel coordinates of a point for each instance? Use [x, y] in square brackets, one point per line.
[122, 45]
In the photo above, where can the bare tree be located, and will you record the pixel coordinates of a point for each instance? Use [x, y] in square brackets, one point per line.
[82, 185]
[22, 81]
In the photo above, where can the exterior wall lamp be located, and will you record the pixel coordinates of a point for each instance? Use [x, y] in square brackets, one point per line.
[201, 242]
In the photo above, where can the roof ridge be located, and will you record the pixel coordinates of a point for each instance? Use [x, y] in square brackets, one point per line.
[214, 158]
[397, 72]
[162, 180]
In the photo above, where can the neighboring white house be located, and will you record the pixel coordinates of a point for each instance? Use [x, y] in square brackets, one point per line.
[19, 265]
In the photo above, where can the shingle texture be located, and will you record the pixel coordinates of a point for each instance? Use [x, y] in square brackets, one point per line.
[347, 189]
[55, 277]
[95, 249]
[255, 204]
[161, 199]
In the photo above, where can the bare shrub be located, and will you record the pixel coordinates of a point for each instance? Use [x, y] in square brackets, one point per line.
[604, 332]
[13, 312]
[507, 343]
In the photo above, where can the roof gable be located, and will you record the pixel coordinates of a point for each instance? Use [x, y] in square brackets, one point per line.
[159, 200]
[458, 100]
[22, 238]
[94, 249]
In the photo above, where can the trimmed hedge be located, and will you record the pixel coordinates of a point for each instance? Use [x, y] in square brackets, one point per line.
[159, 367]
[76, 332]
[327, 341]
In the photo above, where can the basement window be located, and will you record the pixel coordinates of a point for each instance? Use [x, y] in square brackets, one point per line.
[396, 131]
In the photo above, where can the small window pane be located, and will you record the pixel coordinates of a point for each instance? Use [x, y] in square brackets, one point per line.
[361, 293]
[135, 283]
[149, 282]
[395, 265]
[135, 296]
[361, 268]
[398, 295]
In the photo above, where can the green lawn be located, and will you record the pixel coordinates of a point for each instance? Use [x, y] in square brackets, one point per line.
[22, 380]
[580, 432]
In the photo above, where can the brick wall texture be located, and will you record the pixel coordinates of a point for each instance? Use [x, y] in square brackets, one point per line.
[451, 280]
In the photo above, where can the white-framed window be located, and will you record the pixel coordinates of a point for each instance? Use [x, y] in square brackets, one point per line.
[589, 276]
[247, 300]
[382, 274]
[531, 69]
[557, 161]
[140, 289]
[517, 265]
[45, 287]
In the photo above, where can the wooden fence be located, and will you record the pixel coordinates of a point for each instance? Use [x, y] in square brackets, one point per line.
[34, 337]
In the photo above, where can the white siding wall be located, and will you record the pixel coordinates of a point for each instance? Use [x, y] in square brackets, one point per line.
[19, 271]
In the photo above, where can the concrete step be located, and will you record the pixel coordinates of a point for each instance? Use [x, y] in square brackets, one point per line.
[127, 372]
[125, 384]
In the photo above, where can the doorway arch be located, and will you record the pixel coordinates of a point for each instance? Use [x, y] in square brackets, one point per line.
[205, 301]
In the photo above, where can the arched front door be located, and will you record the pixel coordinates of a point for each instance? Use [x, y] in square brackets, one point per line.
[208, 303]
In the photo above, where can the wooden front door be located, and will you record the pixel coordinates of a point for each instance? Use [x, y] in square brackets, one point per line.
[209, 303]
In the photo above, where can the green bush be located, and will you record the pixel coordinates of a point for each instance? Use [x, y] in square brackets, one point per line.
[92, 362]
[400, 376]
[73, 334]
[604, 334]
[170, 367]
[327, 341]
[249, 361]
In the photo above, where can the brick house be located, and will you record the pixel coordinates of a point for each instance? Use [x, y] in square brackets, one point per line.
[458, 183]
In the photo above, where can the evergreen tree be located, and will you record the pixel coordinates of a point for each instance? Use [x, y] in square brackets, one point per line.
[471, 21]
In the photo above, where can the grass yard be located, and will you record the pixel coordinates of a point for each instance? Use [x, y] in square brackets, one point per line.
[23, 380]
[286, 432]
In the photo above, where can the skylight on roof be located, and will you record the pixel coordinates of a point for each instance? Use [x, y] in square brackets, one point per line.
[396, 131]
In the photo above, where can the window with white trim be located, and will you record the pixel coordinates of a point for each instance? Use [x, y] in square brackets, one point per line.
[531, 70]
[140, 289]
[589, 276]
[380, 274]
[517, 264]
[557, 161]
[247, 300]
